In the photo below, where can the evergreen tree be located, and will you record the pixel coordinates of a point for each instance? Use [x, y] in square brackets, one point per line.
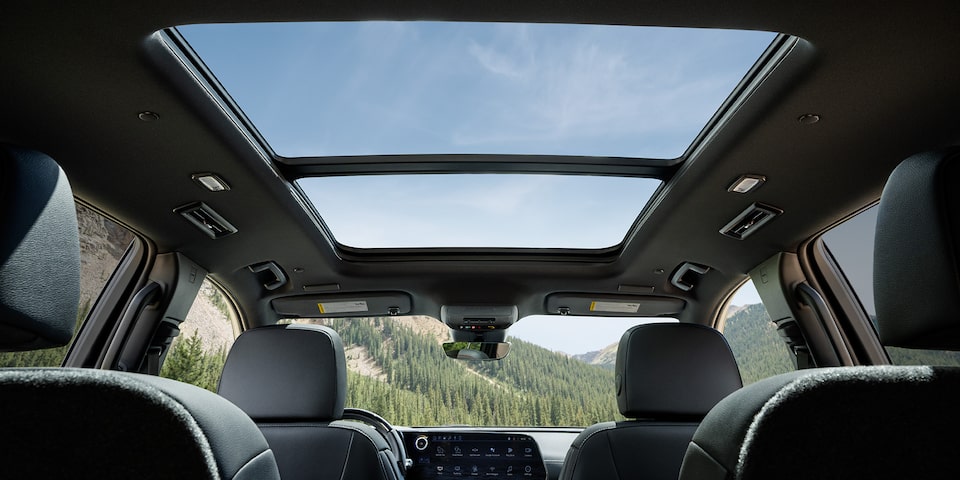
[189, 363]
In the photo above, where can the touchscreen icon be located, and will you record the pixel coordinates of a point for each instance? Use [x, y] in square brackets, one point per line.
[456, 450]
[509, 468]
[441, 451]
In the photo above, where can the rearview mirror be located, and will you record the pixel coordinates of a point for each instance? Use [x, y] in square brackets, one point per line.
[476, 350]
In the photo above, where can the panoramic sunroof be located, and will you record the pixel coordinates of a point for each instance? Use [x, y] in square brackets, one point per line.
[479, 210]
[372, 88]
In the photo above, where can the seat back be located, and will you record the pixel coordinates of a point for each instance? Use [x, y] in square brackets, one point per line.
[880, 422]
[81, 423]
[291, 379]
[668, 376]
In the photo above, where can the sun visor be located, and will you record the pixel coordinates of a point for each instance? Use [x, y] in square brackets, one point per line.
[377, 304]
[613, 305]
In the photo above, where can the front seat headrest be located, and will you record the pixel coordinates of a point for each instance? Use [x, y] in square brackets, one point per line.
[304, 362]
[673, 370]
[39, 252]
[917, 253]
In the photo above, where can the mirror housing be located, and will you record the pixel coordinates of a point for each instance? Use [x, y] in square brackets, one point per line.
[476, 350]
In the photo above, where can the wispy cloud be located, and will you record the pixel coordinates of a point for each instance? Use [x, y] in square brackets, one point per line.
[586, 88]
[432, 87]
[494, 61]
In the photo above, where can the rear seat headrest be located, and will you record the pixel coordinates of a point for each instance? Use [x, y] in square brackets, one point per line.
[39, 252]
[673, 369]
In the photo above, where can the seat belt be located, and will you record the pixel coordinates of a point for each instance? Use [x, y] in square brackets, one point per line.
[153, 361]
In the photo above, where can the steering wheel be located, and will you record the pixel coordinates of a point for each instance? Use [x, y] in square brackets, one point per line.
[384, 428]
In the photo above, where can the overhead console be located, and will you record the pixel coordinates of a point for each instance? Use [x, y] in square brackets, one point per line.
[478, 332]
[444, 455]
[479, 323]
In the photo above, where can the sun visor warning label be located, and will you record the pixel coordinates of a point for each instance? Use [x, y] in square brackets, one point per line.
[614, 307]
[343, 307]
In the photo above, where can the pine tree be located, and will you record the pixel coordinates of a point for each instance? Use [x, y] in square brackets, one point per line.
[188, 363]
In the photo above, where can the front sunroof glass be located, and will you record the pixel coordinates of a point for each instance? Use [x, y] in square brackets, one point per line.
[372, 88]
[479, 210]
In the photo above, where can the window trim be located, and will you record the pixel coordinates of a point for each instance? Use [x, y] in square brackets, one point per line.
[824, 274]
[92, 338]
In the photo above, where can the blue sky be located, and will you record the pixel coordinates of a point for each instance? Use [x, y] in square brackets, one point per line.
[367, 88]
[491, 210]
[358, 88]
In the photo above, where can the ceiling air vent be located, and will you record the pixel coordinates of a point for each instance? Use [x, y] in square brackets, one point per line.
[201, 215]
[754, 217]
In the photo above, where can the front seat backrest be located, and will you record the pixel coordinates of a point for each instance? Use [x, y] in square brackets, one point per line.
[82, 423]
[881, 422]
[39, 252]
[292, 380]
[668, 376]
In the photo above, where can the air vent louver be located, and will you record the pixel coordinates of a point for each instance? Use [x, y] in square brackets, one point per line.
[206, 219]
[754, 217]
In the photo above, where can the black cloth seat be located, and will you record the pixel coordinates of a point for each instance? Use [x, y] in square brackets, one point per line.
[880, 422]
[292, 380]
[668, 377]
[82, 423]
[848, 422]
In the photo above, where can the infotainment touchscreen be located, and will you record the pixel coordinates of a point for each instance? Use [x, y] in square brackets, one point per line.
[446, 455]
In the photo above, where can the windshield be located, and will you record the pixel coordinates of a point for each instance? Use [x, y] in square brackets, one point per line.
[397, 368]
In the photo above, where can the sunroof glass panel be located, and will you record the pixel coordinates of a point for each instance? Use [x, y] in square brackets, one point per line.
[371, 88]
[479, 210]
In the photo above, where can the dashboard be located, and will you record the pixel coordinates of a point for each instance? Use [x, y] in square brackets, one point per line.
[448, 455]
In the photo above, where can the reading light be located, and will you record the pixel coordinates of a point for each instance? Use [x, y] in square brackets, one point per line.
[747, 183]
[148, 116]
[210, 182]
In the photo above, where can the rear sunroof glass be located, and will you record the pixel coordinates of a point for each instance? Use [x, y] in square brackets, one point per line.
[372, 88]
[479, 210]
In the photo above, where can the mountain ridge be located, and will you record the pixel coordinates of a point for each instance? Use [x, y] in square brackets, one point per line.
[606, 357]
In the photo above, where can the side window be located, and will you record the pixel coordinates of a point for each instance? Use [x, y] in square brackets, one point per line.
[102, 244]
[753, 337]
[198, 353]
[851, 244]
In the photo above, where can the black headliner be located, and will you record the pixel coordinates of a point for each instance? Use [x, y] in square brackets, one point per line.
[882, 76]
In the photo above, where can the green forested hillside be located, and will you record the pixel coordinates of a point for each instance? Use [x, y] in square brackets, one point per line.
[908, 356]
[417, 385]
[758, 348]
